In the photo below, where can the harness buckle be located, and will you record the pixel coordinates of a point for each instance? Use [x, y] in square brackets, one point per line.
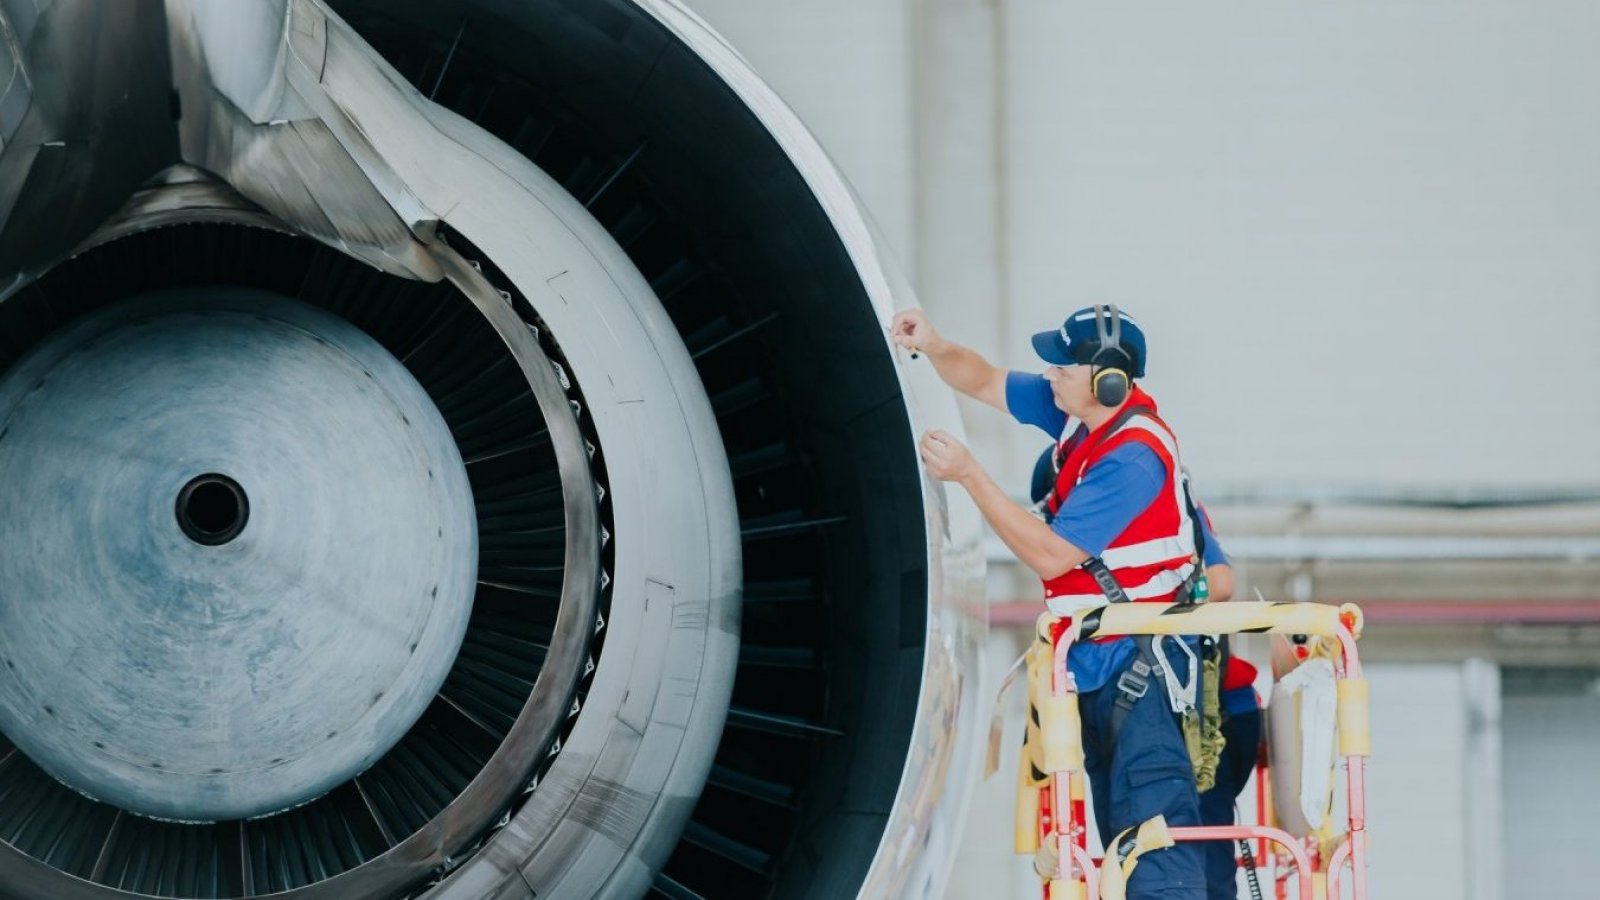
[1134, 682]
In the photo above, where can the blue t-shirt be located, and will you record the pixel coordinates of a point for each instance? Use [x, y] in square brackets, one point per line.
[1214, 555]
[1240, 700]
[1114, 491]
[1120, 486]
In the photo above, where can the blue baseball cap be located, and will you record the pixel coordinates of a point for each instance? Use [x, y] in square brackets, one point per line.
[1078, 338]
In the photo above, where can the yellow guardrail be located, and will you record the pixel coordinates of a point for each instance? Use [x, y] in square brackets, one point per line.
[1050, 783]
[1232, 617]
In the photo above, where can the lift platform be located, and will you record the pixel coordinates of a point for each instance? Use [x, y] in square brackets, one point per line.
[1051, 794]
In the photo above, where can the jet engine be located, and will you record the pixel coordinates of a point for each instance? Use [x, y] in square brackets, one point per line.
[452, 450]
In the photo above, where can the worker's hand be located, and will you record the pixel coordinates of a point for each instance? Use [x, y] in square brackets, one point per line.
[912, 330]
[947, 459]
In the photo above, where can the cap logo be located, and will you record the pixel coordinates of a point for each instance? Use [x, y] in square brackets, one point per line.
[1066, 338]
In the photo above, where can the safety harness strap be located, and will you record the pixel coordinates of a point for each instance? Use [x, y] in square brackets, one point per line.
[1108, 583]
[1123, 856]
[1132, 684]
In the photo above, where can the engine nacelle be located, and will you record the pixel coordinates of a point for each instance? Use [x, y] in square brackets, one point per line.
[291, 285]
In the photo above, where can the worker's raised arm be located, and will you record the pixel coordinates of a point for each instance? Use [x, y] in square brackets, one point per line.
[961, 367]
[1036, 546]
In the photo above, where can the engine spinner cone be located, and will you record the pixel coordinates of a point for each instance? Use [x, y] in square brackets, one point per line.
[238, 554]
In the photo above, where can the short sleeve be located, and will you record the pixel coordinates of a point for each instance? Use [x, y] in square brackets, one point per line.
[1031, 402]
[1214, 555]
[1115, 490]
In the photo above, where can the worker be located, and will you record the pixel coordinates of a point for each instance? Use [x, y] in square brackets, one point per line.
[1241, 708]
[1119, 529]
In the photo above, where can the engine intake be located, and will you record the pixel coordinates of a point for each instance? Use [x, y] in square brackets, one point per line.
[671, 466]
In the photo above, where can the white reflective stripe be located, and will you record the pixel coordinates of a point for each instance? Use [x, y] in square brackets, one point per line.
[1072, 604]
[1163, 582]
[1185, 535]
[1145, 423]
[1146, 553]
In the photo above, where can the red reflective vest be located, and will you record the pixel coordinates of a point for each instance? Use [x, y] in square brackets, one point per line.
[1154, 555]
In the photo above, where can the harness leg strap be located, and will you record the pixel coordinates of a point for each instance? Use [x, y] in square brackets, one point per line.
[1151, 834]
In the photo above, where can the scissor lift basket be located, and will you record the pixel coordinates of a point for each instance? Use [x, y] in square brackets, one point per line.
[1051, 786]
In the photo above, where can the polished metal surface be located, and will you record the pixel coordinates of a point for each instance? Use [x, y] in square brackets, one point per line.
[247, 122]
[245, 663]
[917, 846]
[79, 131]
[344, 151]
[278, 115]
[649, 735]
[181, 194]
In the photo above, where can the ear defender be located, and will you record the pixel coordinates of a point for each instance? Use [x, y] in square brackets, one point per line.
[1110, 382]
[1110, 387]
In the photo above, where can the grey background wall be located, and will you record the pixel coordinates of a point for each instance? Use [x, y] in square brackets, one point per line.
[1377, 220]
[1363, 238]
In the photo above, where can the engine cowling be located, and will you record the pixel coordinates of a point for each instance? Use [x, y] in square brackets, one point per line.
[716, 638]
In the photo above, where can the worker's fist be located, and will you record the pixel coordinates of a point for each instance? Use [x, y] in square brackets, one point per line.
[947, 459]
[912, 330]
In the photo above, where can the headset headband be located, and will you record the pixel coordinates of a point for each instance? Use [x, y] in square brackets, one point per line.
[1110, 337]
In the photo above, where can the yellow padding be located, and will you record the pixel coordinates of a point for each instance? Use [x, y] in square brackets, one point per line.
[1061, 889]
[1355, 618]
[1032, 729]
[1219, 618]
[1328, 843]
[1041, 677]
[1041, 626]
[1062, 733]
[1068, 889]
[1116, 870]
[1031, 771]
[1355, 733]
[1032, 743]
[1026, 821]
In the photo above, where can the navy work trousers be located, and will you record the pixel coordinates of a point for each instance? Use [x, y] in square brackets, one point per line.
[1147, 773]
[1242, 731]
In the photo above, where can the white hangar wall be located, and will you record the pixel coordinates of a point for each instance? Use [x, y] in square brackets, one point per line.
[1363, 217]
[1361, 236]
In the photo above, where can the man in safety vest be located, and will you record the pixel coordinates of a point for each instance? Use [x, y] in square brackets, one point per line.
[1241, 708]
[1119, 526]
